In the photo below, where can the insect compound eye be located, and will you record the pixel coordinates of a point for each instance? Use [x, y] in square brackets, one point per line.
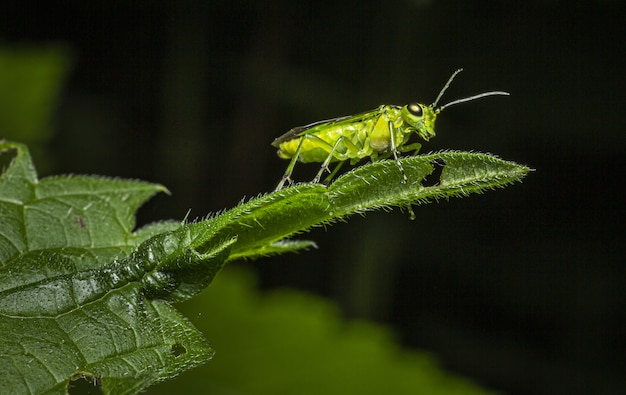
[415, 109]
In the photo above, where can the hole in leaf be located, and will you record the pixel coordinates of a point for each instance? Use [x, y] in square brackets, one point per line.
[434, 177]
[178, 350]
[84, 383]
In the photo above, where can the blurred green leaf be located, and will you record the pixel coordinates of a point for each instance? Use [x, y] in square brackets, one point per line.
[31, 79]
[288, 342]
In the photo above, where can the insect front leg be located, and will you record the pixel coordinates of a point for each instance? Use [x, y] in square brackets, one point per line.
[394, 151]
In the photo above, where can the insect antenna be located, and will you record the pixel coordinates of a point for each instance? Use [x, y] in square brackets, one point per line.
[438, 110]
[494, 93]
[443, 90]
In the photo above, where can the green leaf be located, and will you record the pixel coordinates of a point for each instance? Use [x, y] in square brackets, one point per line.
[379, 184]
[77, 294]
[82, 295]
[272, 217]
[93, 215]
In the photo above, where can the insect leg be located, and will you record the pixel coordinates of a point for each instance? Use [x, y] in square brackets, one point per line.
[330, 156]
[292, 164]
[409, 209]
[334, 172]
[411, 147]
[394, 151]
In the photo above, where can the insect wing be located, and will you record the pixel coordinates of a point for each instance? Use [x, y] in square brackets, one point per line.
[314, 127]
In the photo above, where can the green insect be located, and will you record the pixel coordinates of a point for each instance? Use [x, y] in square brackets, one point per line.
[377, 134]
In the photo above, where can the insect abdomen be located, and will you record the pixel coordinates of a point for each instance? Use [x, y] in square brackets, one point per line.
[317, 146]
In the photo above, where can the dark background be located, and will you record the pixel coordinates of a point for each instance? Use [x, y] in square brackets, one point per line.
[521, 289]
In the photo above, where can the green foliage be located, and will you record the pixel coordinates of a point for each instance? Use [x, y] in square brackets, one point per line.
[81, 294]
[288, 342]
[31, 79]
